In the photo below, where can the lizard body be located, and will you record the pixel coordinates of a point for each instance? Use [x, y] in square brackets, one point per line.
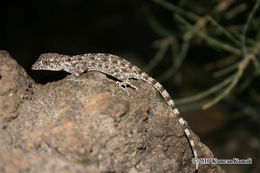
[114, 66]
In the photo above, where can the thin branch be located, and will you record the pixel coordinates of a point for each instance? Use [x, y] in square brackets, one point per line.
[176, 9]
[220, 63]
[176, 63]
[257, 66]
[224, 93]
[224, 31]
[207, 92]
[191, 107]
[156, 59]
[223, 5]
[226, 70]
[244, 108]
[209, 39]
[248, 21]
[155, 25]
[240, 88]
[241, 67]
[236, 11]
[164, 42]
[255, 60]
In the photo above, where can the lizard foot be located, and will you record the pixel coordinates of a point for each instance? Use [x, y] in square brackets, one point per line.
[124, 84]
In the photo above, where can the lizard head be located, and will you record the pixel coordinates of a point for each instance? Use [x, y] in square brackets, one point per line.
[49, 61]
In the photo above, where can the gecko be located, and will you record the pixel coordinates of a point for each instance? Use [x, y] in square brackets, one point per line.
[116, 67]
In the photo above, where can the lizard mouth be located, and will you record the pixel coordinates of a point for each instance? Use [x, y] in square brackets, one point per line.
[38, 65]
[35, 67]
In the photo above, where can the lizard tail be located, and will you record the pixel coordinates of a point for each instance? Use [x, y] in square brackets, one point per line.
[176, 113]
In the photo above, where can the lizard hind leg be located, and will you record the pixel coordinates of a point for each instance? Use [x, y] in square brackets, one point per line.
[124, 85]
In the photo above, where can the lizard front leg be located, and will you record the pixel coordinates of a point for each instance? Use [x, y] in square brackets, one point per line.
[124, 84]
[75, 73]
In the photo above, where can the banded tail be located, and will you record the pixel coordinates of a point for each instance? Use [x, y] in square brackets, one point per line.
[175, 111]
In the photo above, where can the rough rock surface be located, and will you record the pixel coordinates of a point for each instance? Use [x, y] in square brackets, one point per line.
[88, 126]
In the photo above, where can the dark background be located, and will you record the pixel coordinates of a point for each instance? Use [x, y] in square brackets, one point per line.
[29, 28]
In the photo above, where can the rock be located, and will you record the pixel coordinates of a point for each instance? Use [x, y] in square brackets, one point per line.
[88, 126]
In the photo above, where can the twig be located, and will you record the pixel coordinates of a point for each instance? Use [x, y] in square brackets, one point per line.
[224, 93]
[244, 108]
[240, 88]
[221, 62]
[164, 42]
[248, 40]
[226, 70]
[155, 25]
[248, 21]
[176, 63]
[236, 11]
[257, 66]
[224, 31]
[247, 53]
[241, 67]
[176, 9]
[209, 39]
[191, 107]
[207, 92]
[255, 96]
[200, 24]
[223, 5]
[157, 58]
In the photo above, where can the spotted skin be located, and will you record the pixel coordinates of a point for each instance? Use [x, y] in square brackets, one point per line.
[114, 66]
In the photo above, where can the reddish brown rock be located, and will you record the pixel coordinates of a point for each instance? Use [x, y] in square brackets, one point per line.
[88, 126]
